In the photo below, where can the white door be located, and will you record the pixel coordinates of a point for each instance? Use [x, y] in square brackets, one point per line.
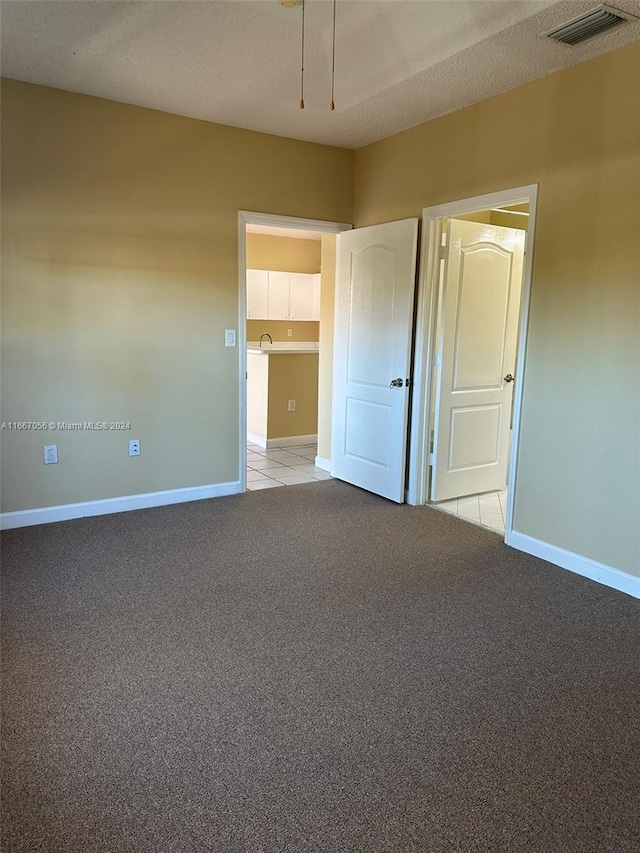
[477, 355]
[372, 350]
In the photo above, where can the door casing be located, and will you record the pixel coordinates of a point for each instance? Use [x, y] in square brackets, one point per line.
[248, 217]
[425, 344]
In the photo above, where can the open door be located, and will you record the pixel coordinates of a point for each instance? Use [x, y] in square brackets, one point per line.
[476, 358]
[372, 352]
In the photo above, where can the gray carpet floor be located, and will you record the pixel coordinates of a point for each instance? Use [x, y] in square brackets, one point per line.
[311, 668]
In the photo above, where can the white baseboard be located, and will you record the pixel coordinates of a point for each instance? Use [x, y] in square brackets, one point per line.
[287, 441]
[322, 462]
[66, 512]
[599, 572]
[291, 441]
[254, 438]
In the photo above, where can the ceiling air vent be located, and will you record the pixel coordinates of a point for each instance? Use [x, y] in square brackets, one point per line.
[593, 23]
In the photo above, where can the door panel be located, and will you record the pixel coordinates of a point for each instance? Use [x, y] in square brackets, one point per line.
[473, 436]
[478, 340]
[374, 313]
[361, 441]
[484, 292]
[373, 268]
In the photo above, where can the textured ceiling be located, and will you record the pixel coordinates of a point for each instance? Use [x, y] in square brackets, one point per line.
[398, 62]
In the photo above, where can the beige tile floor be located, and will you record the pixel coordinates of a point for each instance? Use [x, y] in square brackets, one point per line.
[488, 509]
[283, 466]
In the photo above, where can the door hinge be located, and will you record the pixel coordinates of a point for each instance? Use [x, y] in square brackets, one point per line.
[444, 251]
[432, 459]
[437, 359]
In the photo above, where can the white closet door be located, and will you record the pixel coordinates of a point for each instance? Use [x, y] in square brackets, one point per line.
[278, 295]
[481, 302]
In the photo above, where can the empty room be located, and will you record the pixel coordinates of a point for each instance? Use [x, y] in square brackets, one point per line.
[421, 630]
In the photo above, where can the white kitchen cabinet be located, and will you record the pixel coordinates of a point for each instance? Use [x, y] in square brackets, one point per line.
[314, 297]
[278, 295]
[257, 294]
[300, 296]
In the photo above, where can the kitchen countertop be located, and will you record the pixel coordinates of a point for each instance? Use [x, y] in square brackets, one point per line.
[279, 348]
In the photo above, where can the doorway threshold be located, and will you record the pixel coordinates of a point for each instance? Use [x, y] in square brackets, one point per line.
[488, 509]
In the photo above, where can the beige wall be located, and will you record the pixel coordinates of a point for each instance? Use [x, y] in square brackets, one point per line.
[495, 217]
[289, 254]
[292, 377]
[576, 134]
[325, 361]
[301, 330]
[120, 276]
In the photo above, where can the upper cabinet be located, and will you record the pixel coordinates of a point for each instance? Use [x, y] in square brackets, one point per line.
[300, 296]
[314, 297]
[257, 294]
[279, 286]
[274, 295]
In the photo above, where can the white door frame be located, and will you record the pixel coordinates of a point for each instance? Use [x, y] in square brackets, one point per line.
[425, 345]
[248, 217]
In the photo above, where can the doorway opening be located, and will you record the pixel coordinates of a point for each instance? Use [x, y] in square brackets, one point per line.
[475, 367]
[470, 356]
[282, 313]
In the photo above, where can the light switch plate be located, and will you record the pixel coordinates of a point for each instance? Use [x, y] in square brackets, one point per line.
[229, 337]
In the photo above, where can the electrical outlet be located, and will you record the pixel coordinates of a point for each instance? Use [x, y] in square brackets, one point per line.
[134, 447]
[50, 454]
[291, 406]
[290, 332]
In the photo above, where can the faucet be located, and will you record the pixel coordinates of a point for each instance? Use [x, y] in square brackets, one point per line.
[265, 335]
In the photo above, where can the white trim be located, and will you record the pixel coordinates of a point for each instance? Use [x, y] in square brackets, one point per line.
[323, 462]
[248, 217]
[599, 572]
[286, 441]
[291, 441]
[254, 438]
[432, 219]
[66, 512]
[251, 217]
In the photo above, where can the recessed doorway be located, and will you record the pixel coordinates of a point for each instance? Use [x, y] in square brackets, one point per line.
[470, 353]
[280, 262]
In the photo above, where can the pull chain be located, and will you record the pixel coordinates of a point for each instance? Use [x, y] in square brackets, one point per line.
[302, 64]
[333, 64]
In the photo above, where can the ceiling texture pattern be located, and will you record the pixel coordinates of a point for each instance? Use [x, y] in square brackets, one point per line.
[398, 62]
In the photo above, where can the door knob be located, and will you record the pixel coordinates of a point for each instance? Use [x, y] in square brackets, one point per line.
[396, 383]
[509, 377]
